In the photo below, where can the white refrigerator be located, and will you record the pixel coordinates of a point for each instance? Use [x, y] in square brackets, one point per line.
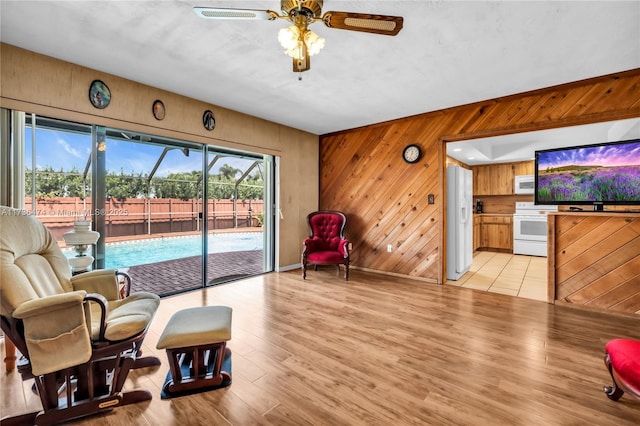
[459, 221]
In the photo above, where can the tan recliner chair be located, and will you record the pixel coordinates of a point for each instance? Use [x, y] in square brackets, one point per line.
[78, 337]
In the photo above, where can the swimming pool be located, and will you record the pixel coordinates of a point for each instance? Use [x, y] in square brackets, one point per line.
[139, 252]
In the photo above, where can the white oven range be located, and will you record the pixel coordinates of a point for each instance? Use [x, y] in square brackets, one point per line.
[530, 228]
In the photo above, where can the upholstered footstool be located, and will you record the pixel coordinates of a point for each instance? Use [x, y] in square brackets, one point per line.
[622, 358]
[195, 340]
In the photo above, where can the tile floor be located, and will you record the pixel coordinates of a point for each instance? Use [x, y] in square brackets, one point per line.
[515, 275]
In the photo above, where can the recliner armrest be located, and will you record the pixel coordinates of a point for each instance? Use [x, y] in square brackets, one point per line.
[101, 281]
[49, 304]
[103, 304]
[55, 325]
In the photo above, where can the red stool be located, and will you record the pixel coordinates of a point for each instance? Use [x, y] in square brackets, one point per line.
[622, 358]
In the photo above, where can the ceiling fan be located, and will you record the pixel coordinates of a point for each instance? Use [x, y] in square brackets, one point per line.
[298, 41]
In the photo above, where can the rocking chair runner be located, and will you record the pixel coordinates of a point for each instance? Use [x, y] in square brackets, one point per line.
[327, 244]
[79, 339]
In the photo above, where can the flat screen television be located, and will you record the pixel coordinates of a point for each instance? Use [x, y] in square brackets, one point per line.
[596, 175]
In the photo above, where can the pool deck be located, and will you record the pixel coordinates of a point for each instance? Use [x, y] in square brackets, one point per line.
[178, 275]
[173, 276]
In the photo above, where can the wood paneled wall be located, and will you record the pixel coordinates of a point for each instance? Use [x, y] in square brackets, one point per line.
[594, 260]
[385, 199]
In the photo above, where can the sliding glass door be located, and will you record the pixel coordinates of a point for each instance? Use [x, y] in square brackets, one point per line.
[235, 216]
[54, 176]
[151, 214]
[175, 215]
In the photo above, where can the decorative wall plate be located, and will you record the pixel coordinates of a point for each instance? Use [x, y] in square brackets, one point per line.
[208, 120]
[99, 94]
[158, 109]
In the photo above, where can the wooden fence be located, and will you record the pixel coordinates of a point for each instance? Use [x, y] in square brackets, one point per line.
[140, 216]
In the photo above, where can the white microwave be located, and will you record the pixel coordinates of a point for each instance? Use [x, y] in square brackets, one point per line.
[524, 184]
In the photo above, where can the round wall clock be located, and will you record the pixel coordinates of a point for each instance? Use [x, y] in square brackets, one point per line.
[99, 94]
[158, 110]
[208, 120]
[411, 153]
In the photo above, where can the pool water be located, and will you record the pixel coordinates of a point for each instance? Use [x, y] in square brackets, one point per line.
[139, 252]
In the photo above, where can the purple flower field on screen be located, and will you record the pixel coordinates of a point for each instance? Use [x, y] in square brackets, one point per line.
[590, 184]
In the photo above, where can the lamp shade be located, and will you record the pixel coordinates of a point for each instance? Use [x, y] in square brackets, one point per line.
[81, 234]
[314, 42]
[298, 42]
[289, 37]
[80, 263]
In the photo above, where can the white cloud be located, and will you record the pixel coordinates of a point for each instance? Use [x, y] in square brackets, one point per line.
[69, 149]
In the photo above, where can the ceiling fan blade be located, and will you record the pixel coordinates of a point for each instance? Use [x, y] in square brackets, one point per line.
[377, 24]
[224, 13]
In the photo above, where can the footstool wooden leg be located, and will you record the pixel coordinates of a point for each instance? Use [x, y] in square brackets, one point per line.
[196, 344]
[200, 375]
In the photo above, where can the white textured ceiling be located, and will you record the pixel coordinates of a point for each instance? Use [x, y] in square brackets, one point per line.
[449, 53]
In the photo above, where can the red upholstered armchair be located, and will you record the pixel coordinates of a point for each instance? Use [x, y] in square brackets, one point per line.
[327, 244]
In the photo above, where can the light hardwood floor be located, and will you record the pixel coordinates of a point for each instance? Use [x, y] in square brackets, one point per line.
[515, 275]
[384, 351]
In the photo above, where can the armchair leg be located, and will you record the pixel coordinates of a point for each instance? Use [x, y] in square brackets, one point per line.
[613, 392]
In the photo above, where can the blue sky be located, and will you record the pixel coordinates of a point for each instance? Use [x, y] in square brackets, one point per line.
[65, 150]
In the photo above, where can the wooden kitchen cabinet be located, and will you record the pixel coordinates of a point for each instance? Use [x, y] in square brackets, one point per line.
[496, 233]
[481, 180]
[498, 179]
[493, 179]
[502, 177]
[523, 168]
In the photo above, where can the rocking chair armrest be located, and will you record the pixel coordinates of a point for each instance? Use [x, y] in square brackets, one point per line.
[103, 304]
[43, 305]
[55, 332]
[102, 281]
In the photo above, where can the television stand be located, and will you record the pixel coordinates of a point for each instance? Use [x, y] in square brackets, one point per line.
[591, 268]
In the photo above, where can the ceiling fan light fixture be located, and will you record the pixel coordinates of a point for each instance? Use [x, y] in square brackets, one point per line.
[314, 42]
[289, 37]
[298, 42]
